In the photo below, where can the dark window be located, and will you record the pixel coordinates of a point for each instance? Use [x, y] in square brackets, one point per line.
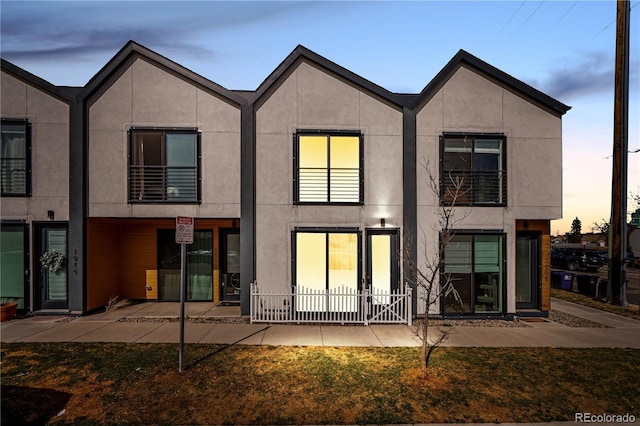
[199, 264]
[473, 170]
[475, 266]
[16, 158]
[328, 168]
[164, 166]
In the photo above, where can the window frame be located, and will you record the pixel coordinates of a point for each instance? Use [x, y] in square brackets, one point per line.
[165, 131]
[326, 231]
[28, 154]
[503, 181]
[296, 165]
[502, 291]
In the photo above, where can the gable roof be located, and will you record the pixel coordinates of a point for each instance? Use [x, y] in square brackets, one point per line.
[467, 59]
[63, 93]
[302, 53]
[132, 49]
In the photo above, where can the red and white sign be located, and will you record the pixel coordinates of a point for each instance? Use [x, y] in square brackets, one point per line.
[184, 230]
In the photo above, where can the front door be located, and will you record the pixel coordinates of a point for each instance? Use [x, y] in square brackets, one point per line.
[230, 264]
[527, 270]
[382, 264]
[51, 266]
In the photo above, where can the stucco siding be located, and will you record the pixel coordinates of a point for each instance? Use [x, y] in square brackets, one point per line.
[274, 169]
[13, 102]
[145, 95]
[49, 119]
[310, 97]
[469, 102]
[273, 252]
[324, 101]
[160, 98]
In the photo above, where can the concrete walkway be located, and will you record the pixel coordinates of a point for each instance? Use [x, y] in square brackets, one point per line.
[157, 323]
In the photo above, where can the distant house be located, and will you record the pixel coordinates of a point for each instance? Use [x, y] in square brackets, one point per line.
[313, 180]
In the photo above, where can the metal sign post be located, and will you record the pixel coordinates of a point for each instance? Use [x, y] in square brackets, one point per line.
[184, 236]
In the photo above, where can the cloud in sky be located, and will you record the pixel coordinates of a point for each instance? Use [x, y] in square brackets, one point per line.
[593, 73]
[41, 31]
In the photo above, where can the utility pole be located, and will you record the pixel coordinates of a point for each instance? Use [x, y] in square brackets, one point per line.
[618, 226]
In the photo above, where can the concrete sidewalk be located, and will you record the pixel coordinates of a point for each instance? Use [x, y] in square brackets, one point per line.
[157, 323]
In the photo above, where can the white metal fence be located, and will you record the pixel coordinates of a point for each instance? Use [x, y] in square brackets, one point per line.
[340, 305]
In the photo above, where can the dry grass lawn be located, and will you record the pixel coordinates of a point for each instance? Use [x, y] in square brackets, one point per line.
[140, 384]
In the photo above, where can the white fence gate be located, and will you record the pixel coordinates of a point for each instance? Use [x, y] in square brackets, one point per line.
[340, 305]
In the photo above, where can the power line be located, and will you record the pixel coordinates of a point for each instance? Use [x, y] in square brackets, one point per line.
[569, 10]
[614, 21]
[510, 18]
[525, 22]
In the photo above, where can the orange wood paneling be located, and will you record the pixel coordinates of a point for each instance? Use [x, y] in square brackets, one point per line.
[103, 274]
[120, 252]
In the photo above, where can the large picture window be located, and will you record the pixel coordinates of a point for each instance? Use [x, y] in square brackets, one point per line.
[327, 261]
[15, 150]
[164, 166]
[473, 169]
[328, 168]
[474, 263]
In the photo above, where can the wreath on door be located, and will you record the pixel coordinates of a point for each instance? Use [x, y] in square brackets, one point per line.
[52, 260]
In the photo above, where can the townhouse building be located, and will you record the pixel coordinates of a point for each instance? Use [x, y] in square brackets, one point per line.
[316, 180]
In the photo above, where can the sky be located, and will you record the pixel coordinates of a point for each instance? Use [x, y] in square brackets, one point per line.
[565, 49]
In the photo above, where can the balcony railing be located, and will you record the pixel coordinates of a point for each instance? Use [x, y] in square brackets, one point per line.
[336, 185]
[14, 176]
[474, 187]
[163, 184]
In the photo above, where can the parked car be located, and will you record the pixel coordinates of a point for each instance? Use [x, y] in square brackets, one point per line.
[577, 259]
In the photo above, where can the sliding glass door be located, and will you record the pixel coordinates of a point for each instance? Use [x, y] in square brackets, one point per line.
[13, 264]
[199, 266]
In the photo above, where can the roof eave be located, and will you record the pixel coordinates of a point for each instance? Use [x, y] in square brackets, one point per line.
[65, 94]
[463, 57]
[302, 53]
[133, 48]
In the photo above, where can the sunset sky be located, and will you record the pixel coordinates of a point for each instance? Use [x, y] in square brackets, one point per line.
[563, 48]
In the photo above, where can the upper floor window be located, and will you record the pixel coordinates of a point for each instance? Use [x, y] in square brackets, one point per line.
[328, 167]
[473, 169]
[16, 158]
[164, 166]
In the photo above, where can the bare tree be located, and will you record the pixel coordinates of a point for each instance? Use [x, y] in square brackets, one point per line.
[428, 274]
[601, 227]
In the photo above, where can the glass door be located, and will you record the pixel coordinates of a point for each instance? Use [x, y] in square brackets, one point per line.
[230, 264]
[52, 264]
[382, 264]
[199, 266]
[527, 276]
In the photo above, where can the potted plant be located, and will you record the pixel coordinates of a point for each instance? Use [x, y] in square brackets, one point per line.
[8, 311]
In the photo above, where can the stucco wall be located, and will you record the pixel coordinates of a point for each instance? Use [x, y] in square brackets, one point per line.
[144, 95]
[470, 102]
[49, 118]
[312, 98]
